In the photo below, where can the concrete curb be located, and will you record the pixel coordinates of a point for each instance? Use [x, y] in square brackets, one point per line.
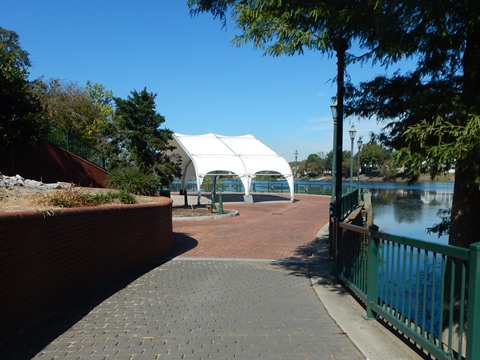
[369, 336]
[231, 213]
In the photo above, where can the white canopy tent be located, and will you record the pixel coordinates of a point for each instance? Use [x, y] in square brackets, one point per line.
[244, 156]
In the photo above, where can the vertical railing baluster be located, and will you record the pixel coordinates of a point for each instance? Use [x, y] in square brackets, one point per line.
[424, 297]
[473, 313]
[417, 291]
[432, 300]
[391, 278]
[397, 276]
[372, 269]
[387, 272]
[451, 304]
[403, 285]
[410, 276]
[441, 309]
[462, 310]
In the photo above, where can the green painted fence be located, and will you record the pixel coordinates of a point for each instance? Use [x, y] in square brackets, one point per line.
[259, 187]
[69, 142]
[429, 292]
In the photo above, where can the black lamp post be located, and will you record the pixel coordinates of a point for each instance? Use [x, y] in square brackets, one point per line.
[352, 133]
[359, 144]
[340, 47]
[333, 107]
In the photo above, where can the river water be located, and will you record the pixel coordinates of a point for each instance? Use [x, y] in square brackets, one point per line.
[408, 210]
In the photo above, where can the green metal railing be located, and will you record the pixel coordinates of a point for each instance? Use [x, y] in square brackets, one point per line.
[425, 290]
[69, 142]
[349, 202]
[260, 187]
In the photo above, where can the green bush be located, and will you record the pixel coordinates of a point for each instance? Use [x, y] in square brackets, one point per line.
[134, 180]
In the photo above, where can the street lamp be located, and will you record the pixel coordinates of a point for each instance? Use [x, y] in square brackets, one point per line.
[333, 107]
[359, 144]
[352, 133]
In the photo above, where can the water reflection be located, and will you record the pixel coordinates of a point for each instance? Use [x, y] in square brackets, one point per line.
[410, 211]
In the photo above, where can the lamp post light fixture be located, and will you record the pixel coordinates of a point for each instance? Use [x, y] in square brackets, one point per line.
[333, 107]
[359, 144]
[352, 133]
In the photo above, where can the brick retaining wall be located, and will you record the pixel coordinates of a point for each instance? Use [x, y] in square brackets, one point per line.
[48, 163]
[46, 259]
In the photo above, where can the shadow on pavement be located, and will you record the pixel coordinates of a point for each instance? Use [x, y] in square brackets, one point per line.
[181, 244]
[317, 266]
[30, 338]
[312, 261]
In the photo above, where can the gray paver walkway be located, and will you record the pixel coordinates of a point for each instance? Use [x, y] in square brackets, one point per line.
[206, 309]
[206, 303]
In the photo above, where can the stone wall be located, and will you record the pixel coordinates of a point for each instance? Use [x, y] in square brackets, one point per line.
[48, 258]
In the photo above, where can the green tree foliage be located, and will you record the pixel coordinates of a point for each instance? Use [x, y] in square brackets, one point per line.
[432, 112]
[441, 38]
[137, 146]
[314, 166]
[103, 103]
[20, 113]
[373, 157]
[291, 27]
[81, 111]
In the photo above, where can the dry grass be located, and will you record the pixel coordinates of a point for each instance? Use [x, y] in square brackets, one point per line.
[75, 198]
[26, 199]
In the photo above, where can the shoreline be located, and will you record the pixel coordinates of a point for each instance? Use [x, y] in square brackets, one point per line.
[449, 178]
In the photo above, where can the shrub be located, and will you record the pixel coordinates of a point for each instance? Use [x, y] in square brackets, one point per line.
[72, 198]
[134, 180]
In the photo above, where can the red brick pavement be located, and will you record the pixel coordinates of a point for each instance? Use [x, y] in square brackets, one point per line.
[270, 228]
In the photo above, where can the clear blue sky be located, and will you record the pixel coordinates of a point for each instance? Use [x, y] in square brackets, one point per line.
[203, 83]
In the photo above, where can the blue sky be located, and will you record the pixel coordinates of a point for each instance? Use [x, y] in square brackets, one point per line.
[203, 83]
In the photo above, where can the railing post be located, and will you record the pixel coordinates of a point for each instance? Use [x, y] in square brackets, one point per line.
[473, 311]
[220, 204]
[372, 271]
[336, 239]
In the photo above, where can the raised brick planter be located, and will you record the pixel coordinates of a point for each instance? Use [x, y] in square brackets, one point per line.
[46, 259]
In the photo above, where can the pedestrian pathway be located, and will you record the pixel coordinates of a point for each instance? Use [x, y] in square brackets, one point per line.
[237, 288]
[205, 309]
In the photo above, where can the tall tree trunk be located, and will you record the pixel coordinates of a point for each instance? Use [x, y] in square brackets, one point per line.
[466, 195]
[466, 205]
[466, 198]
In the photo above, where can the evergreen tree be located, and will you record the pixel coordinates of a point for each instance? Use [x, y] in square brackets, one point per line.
[137, 146]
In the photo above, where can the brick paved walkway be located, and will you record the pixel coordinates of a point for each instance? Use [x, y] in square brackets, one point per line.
[271, 228]
[204, 304]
